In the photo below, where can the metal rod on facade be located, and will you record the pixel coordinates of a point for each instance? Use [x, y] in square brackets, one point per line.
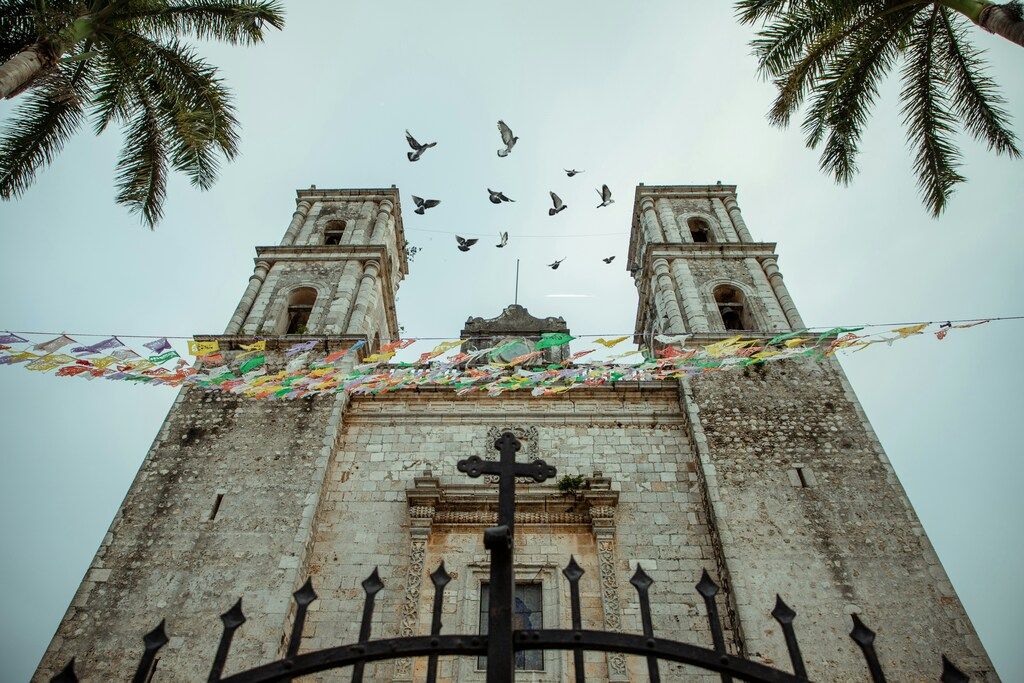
[517, 282]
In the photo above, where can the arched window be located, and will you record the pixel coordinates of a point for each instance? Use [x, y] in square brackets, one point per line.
[333, 232]
[733, 308]
[300, 305]
[700, 231]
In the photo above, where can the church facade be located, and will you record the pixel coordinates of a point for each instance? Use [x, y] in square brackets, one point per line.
[769, 478]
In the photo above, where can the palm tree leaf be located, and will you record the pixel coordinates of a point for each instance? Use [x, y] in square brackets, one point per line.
[233, 21]
[194, 105]
[927, 116]
[48, 115]
[142, 165]
[975, 96]
[848, 90]
[17, 27]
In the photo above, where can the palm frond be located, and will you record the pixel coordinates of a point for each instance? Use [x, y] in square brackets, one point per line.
[48, 115]
[142, 165]
[749, 11]
[927, 116]
[975, 96]
[17, 27]
[194, 105]
[231, 21]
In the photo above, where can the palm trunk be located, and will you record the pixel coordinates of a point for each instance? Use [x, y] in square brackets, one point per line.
[1004, 21]
[18, 72]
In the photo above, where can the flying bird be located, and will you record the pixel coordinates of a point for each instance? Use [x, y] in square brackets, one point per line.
[554, 266]
[497, 196]
[465, 244]
[557, 201]
[507, 139]
[417, 148]
[423, 204]
[572, 172]
[503, 237]
[609, 259]
[606, 196]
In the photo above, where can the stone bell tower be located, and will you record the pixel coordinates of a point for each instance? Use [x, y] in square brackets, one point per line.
[800, 497]
[224, 503]
[698, 269]
[336, 271]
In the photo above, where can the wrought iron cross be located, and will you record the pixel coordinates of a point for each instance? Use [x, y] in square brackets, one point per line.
[500, 541]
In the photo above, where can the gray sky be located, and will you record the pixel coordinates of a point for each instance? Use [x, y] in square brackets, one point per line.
[664, 95]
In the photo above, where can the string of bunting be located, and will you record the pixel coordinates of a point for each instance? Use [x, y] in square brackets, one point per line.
[467, 371]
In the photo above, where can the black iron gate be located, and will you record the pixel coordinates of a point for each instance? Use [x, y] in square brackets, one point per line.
[502, 642]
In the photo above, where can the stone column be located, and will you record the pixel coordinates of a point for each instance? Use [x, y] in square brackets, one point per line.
[605, 537]
[248, 298]
[771, 269]
[344, 295]
[696, 318]
[649, 219]
[668, 290]
[298, 219]
[668, 221]
[776, 318]
[366, 290]
[724, 221]
[423, 499]
[737, 219]
[380, 224]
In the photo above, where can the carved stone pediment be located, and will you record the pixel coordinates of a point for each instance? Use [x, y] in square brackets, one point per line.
[514, 320]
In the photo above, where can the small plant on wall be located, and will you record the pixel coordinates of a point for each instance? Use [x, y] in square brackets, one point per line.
[571, 484]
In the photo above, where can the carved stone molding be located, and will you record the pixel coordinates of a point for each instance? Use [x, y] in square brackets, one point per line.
[617, 670]
[411, 601]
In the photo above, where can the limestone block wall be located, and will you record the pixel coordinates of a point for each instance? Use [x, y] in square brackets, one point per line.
[808, 506]
[637, 438]
[165, 557]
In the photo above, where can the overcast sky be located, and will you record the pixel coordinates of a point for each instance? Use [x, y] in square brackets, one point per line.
[663, 95]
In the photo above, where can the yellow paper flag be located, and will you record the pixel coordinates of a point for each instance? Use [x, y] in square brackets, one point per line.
[609, 343]
[202, 348]
[911, 330]
[255, 346]
[379, 357]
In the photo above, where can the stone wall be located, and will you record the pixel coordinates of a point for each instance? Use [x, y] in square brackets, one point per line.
[808, 506]
[638, 439]
[165, 557]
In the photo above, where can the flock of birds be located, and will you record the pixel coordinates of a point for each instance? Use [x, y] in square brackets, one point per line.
[497, 196]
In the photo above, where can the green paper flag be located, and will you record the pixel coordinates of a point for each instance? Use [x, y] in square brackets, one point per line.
[552, 339]
[252, 363]
[783, 337]
[836, 331]
[164, 357]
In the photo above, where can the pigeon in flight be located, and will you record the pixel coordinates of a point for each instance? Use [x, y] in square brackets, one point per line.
[571, 172]
[507, 139]
[554, 266]
[465, 244]
[503, 236]
[417, 148]
[606, 196]
[423, 204]
[557, 201]
[497, 196]
[609, 259]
